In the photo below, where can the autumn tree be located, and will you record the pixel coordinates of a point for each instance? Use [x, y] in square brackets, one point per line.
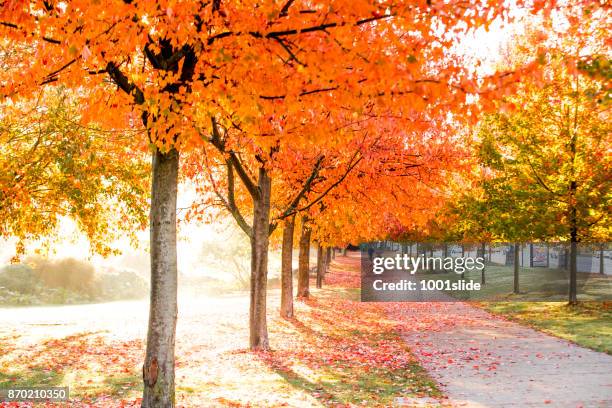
[51, 166]
[318, 101]
[397, 187]
[545, 167]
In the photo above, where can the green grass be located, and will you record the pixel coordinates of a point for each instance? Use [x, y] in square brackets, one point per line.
[588, 324]
[344, 383]
[535, 284]
[35, 377]
[348, 387]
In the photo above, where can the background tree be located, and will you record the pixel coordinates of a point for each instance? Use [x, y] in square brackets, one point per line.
[545, 164]
[51, 166]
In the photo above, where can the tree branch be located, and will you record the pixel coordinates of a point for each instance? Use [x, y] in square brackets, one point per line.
[284, 33]
[305, 189]
[539, 179]
[219, 143]
[285, 10]
[289, 211]
[124, 83]
[334, 185]
[231, 202]
[273, 97]
[15, 26]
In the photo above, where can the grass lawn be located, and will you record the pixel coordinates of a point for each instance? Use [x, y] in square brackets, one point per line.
[588, 324]
[535, 284]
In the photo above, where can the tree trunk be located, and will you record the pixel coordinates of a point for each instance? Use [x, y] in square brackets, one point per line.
[573, 270]
[344, 251]
[258, 338]
[601, 259]
[320, 265]
[333, 253]
[431, 251]
[463, 256]
[304, 261]
[286, 309]
[482, 273]
[328, 259]
[158, 368]
[573, 299]
[517, 248]
[573, 219]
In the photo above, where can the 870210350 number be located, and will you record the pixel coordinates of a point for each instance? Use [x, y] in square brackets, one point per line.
[34, 394]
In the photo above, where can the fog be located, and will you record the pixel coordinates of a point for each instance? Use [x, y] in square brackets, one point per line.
[213, 259]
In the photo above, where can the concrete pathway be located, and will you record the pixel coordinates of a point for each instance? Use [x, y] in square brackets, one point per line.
[481, 360]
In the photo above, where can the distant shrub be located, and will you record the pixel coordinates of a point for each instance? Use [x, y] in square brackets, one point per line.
[14, 298]
[63, 296]
[120, 285]
[65, 281]
[19, 278]
[68, 273]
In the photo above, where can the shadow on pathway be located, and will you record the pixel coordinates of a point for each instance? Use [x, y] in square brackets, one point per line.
[481, 360]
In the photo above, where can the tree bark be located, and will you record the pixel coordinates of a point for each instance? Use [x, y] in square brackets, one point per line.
[601, 259]
[573, 219]
[482, 273]
[517, 248]
[431, 251]
[328, 259]
[158, 368]
[573, 257]
[573, 292]
[258, 338]
[462, 256]
[320, 265]
[286, 309]
[304, 261]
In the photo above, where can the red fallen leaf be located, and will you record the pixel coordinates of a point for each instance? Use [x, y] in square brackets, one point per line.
[547, 401]
[476, 367]
[450, 361]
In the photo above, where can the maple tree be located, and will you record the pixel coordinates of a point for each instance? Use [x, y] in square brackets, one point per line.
[399, 187]
[52, 166]
[544, 166]
[249, 145]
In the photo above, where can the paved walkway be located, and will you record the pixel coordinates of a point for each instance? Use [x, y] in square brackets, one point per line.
[482, 360]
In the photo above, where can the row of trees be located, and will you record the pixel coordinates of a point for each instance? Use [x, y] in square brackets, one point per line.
[543, 163]
[315, 113]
